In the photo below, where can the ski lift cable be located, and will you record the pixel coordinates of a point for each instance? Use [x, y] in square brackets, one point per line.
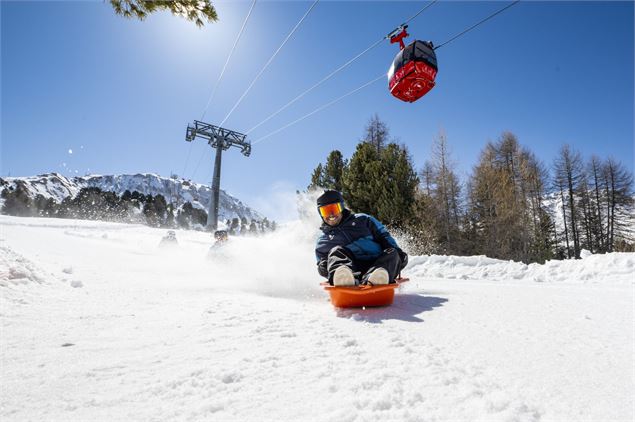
[242, 29]
[326, 78]
[369, 83]
[319, 109]
[198, 164]
[477, 24]
[269, 62]
[187, 159]
[421, 11]
[260, 73]
[333, 73]
[211, 97]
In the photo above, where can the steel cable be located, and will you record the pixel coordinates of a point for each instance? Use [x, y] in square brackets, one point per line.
[220, 77]
[477, 24]
[228, 58]
[269, 62]
[318, 109]
[329, 76]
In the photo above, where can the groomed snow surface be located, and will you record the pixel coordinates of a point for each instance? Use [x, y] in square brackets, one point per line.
[99, 323]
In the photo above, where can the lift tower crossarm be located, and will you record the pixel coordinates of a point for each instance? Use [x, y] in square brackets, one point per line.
[216, 135]
[221, 139]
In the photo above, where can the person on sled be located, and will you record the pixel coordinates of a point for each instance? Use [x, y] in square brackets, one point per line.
[355, 248]
[169, 240]
[221, 240]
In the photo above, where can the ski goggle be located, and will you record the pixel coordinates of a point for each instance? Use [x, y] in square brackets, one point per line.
[330, 210]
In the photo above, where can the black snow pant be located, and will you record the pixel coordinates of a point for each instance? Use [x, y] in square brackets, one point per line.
[389, 260]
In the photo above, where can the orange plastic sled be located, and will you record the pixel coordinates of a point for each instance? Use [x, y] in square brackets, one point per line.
[362, 296]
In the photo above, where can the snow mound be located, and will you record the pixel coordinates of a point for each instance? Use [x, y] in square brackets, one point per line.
[614, 268]
[17, 270]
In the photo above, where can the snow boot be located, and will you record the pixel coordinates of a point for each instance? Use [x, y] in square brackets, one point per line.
[378, 276]
[343, 276]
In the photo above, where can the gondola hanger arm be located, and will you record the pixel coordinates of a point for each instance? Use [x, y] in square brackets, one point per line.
[398, 34]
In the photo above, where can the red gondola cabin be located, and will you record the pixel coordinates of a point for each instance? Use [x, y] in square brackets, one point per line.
[413, 70]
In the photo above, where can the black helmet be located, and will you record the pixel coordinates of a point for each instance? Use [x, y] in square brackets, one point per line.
[329, 197]
[220, 235]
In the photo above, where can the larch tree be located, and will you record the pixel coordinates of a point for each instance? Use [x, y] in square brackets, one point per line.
[376, 133]
[569, 173]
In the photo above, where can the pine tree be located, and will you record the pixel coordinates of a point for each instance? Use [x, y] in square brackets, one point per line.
[150, 211]
[362, 179]
[17, 201]
[317, 178]
[383, 185]
[333, 171]
[184, 216]
[196, 11]
[329, 176]
[397, 184]
[160, 209]
[199, 218]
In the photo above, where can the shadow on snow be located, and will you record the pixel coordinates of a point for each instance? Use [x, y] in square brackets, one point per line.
[406, 307]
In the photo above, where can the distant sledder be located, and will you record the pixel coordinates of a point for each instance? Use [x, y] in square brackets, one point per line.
[360, 259]
[221, 239]
[169, 240]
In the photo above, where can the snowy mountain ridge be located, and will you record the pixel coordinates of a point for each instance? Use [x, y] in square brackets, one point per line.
[175, 190]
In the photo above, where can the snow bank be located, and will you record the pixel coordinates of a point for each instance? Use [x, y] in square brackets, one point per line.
[17, 270]
[614, 268]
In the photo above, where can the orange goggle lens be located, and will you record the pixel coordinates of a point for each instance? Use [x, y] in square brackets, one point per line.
[330, 209]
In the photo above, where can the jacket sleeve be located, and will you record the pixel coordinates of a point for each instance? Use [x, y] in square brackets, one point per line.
[322, 268]
[381, 235]
[321, 260]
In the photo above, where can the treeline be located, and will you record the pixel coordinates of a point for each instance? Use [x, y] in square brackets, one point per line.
[512, 206]
[132, 207]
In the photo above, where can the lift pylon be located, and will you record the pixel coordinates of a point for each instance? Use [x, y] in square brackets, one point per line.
[221, 139]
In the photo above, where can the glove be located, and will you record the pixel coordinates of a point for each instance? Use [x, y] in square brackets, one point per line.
[322, 268]
[404, 258]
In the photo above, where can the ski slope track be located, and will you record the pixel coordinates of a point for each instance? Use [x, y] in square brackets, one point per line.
[99, 324]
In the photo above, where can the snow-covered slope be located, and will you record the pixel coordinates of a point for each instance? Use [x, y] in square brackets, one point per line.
[98, 323]
[58, 187]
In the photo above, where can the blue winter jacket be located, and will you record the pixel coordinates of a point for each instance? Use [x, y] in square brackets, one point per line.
[363, 235]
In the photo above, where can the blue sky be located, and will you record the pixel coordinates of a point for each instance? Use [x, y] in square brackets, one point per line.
[119, 93]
